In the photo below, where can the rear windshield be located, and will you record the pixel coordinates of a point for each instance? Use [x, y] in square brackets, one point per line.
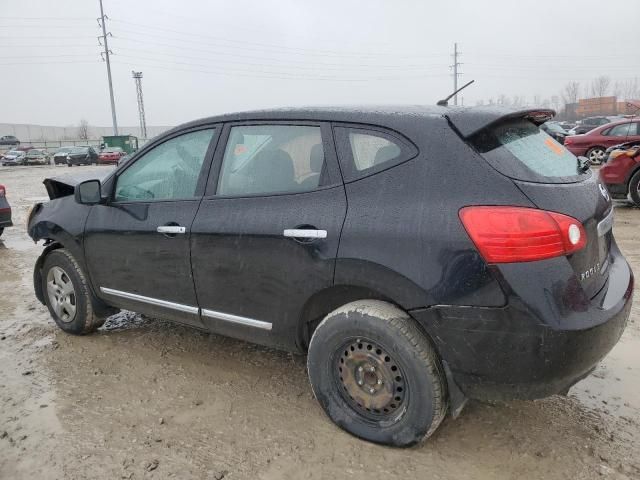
[519, 149]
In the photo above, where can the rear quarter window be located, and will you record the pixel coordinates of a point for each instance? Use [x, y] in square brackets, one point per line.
[521, 150]
[364, 151]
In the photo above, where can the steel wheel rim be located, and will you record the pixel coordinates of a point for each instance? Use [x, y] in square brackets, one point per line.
[62, 294]
[370, 380]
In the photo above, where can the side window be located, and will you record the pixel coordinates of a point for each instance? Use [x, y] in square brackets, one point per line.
[635, 129]
[166, 172]
[619, 130]
[364, 151]
[370, 150]
[264, 159]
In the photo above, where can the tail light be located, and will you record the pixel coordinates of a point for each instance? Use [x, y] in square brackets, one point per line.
[3, 191]
[521, 234]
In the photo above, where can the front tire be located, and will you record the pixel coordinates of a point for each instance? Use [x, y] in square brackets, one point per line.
[596, 155]
[634, 188]
[67, 294]
[376, 375]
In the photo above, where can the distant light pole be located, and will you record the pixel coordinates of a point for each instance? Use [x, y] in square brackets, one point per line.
[143, 123]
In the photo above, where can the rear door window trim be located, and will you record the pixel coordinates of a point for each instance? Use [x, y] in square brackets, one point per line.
[331, 160]
[408, 150]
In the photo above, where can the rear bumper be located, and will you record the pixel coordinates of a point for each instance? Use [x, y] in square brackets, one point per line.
[497, 354]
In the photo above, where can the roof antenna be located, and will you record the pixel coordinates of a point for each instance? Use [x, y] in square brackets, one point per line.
[443, 103]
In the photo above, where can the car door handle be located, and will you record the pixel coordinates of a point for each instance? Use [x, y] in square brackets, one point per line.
[171, 229]
[305, 233]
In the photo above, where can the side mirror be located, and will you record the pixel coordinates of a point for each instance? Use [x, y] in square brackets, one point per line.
[88, 192]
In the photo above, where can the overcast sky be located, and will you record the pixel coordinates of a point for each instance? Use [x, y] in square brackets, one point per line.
[201, 58]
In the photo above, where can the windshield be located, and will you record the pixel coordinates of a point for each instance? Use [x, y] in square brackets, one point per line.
[79, 150]
[14, 152]
[521, 150]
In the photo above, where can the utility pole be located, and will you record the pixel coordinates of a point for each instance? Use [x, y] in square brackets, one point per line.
[105, 57]
[143, 123]
[456, 72]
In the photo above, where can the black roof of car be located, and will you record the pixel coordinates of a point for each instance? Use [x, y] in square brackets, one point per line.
[467, 120]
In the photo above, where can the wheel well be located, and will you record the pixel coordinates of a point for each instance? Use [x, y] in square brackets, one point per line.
[326, 301]
[633, 172]
[37, 270]
[99, 306]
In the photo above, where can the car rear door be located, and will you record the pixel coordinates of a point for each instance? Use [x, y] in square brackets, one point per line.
[617, 134]
[265, 238]
[137, 245]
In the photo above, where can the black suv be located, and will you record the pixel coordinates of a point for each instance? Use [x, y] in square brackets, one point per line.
[421, 256]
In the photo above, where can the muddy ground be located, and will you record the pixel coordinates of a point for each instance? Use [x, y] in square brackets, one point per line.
[148, 399]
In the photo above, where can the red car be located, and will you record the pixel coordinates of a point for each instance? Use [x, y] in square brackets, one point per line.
[621, 173]
[5, 210]
[594, 143]
[111, 155]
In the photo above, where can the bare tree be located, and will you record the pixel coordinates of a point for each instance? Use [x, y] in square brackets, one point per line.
[630, 89]
[83, 130]
[570, 92]
[600, 86]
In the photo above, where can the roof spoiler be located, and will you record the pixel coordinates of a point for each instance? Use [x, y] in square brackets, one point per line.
[469, 121]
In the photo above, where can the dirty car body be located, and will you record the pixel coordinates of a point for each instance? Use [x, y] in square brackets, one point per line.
[387, 204]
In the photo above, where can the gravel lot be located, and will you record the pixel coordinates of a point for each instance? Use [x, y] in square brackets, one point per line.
[148, 399]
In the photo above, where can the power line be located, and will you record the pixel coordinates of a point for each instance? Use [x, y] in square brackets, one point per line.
[252, 74]
[356, 68]
[253, 46]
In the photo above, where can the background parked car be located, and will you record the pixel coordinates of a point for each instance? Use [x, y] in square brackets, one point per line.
[594, 144]
[14, 157]
[38, 157]
[111, 155]
[5, 210]
[60, 156]
[24, 148]
[81, 156]
[9, 140]
[555, 130]
[621, 173]
[587, 124]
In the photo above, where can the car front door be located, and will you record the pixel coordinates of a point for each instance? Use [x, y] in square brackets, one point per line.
[137, 244]
[265, 238]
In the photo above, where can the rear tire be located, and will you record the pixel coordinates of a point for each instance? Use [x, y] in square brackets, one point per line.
[376, 375]
[67, 294]
[596, 155]
[634, 188]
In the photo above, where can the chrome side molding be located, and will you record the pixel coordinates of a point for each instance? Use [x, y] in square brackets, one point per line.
[227, 317]
[151, 301]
